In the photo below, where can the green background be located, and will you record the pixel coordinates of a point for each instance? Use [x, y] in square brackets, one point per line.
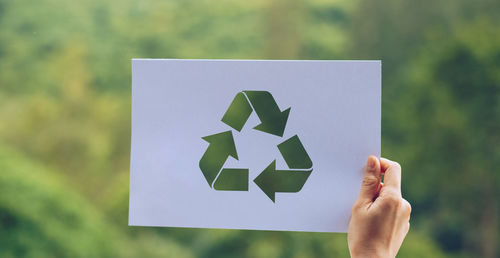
[65, 116]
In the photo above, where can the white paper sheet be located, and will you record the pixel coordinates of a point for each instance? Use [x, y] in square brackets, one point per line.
[335, 112]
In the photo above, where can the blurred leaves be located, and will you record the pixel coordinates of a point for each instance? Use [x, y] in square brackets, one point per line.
[40, 216]
[441, 116]
[65, 116]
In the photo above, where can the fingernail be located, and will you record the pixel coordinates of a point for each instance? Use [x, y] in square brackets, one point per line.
[371, 163]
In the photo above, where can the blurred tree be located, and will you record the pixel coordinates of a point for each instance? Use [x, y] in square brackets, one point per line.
[40, 217]
[441, 93]
[284, 21]
[455, 105]
[65, 103]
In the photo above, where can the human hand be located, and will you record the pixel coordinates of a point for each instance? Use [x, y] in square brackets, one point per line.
[380, 217]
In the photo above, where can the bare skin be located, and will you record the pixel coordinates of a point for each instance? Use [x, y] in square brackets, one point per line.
[380, 217]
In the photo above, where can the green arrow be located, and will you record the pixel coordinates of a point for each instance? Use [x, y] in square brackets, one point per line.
[271, 181]
[220, 148]
[294, 153]
[272, 120]
[238, 112]
[232, 179]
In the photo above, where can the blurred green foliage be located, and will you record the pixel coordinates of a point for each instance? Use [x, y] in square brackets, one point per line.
[65, 116]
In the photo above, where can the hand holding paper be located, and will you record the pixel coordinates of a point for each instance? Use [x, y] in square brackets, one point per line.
[380, 216]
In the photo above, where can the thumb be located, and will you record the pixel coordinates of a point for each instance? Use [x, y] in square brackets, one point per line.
[371, 180]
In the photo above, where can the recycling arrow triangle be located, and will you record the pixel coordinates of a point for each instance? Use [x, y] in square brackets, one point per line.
[272, 121]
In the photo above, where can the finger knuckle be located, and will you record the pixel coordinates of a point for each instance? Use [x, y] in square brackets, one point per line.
[406, 207]
[387, 206]
[356, 207]
[391, 192]
[392, 202]
[370, 181]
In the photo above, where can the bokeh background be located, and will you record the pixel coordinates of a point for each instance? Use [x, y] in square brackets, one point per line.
[65, 90]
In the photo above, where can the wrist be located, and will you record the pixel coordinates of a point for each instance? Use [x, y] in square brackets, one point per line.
[369, 253]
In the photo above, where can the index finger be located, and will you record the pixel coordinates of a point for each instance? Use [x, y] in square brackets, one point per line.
[392, 177]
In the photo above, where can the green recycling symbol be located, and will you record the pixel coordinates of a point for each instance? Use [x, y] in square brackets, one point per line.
[273, 121]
